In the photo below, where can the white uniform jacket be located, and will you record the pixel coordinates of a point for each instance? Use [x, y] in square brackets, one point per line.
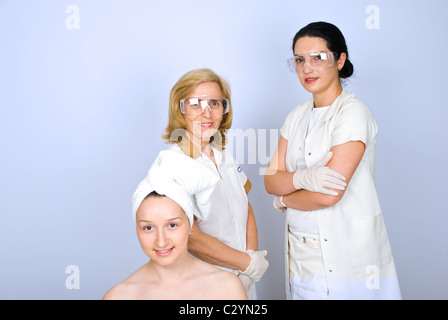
[356, 253]
[227, 221]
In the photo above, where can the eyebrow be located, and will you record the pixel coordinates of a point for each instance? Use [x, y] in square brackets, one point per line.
[149, 221]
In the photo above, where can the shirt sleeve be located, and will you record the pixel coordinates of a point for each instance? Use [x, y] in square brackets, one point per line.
[354, 122]
[285, 129]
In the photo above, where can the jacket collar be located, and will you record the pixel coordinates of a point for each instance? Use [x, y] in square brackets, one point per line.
[187, 147]
[335, 106]
[329, 113]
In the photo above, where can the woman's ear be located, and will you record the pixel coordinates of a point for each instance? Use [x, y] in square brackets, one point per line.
[341, 61]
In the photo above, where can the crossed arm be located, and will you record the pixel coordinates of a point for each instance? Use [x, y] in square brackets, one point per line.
[278, 181]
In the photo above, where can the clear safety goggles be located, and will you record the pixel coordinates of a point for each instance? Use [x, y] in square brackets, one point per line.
[197, 105]
[314, 60]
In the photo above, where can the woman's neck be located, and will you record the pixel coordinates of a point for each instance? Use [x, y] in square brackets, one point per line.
[198, 142]
[203, 145]
[176, 272]
[326, 98]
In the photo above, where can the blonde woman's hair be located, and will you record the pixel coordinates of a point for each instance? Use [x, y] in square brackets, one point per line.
[183, 89]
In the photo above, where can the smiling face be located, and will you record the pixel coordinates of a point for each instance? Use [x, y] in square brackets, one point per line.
[162, 230]
[203, 126]
[319, 82]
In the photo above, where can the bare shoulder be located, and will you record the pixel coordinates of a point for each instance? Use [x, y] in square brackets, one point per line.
[128, 289]
[224, 285]
[232, 287]
[119, 292]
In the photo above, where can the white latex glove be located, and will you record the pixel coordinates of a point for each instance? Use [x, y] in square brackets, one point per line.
[319, 177]
[247, 282]
[278, 204]
[257, 266]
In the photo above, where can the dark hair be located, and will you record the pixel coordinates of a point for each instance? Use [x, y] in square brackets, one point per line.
[154, 194]
[335, 42]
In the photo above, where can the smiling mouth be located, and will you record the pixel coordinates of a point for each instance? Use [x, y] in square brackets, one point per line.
[164, 252]
[206, 124]
[310, 80]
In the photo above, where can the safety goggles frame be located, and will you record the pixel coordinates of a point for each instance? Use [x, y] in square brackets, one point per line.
[199, 101]
[315, 63]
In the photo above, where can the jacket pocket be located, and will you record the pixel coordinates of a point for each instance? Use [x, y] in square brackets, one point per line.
[368, 243]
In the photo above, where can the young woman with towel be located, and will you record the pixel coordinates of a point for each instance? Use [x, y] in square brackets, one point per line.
[164, 205]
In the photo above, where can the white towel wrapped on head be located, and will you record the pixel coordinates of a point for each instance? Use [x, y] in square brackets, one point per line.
[181, 179]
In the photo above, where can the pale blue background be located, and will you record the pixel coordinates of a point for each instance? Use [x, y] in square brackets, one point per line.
[82, 111]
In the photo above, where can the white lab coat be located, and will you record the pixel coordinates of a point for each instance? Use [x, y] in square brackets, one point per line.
[227, 220]
[356, 254]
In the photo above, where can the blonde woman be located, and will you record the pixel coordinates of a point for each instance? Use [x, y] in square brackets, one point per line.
[200, 112]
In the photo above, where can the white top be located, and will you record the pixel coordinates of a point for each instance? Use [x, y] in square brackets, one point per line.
[305, 223]
[227, 220]
[353, 236]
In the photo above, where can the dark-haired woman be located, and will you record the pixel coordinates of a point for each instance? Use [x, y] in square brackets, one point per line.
[322, 175]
